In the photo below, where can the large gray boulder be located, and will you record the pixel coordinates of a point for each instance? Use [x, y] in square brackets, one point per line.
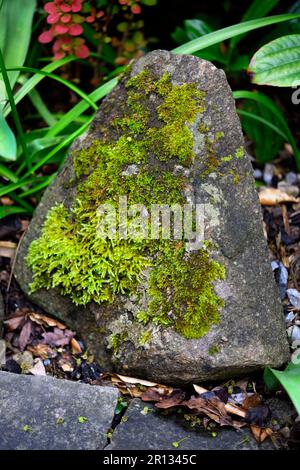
[169, 135]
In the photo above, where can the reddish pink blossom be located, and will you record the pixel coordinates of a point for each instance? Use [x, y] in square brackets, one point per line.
[75, 29]
[59, 55]
[76, 5]
[50, 7]
[65, 8]
[45, 37]
[61, 29]
[53, 18]
[65, 18]
[82, 52]
[90, 19]
[136, 9]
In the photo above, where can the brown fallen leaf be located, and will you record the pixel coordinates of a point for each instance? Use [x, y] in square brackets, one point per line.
[230, 407]
[176, 399]
[251, 401]
[58, 337]
[214, 408]
[14, 322]
[76, 349]
[260, 434]
[41, 350]
[274, 196]
[46, 321]
[25, 335]
[7, 249]
[134, 380]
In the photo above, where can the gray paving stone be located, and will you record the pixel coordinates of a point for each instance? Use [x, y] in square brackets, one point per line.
[153, 431]
[39, 413]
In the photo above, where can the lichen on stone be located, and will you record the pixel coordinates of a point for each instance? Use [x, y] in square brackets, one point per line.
[70, 256]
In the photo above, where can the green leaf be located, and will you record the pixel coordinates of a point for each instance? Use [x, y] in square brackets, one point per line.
[289, 379]
[41, 108]
[257, 9]
[35, 79]
[15, 32]
[268, 103]
[67, 83]
[15, 114]
[9, 210]
[81, 107]
[231, 31]
[8, 145]
[262, 135]
[278, 62]
[149, 3]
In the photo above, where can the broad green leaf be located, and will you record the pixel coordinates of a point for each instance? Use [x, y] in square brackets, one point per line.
[231, 31]
[8, 145]
[278, 62]
[289, 379]
[15, 32]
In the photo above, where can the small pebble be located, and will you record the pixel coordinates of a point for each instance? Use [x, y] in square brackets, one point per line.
[291, 178]
[294, 333]
[289, 317]
[257, 174]
[294, 297]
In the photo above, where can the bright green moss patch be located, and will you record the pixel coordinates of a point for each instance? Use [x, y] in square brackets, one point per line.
[181, 291]
[139, 163]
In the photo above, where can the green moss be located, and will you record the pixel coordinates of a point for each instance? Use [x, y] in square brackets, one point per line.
[239, 152]
[70, 254]
[116, 340]
[227, 159]
[213, 350]
[145, 338]
[181, 291]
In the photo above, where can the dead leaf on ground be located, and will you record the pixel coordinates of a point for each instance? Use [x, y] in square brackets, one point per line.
[230, 407]
[14, 322]
[58, 337]
[7, 249]
[41, 350]
[260, 434]
[273, 196]
[46, 321]
[25, 335]
[257, 415]
[134, 380]
[251, 401]
[76, 349]
[214, 408]
[175, 399]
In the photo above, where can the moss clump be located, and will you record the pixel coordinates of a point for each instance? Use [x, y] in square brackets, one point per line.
[239, 152]
[181, 292]
[70, 254]
[213, 350]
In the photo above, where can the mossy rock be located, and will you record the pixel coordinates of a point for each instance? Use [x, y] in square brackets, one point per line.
[155, 306]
